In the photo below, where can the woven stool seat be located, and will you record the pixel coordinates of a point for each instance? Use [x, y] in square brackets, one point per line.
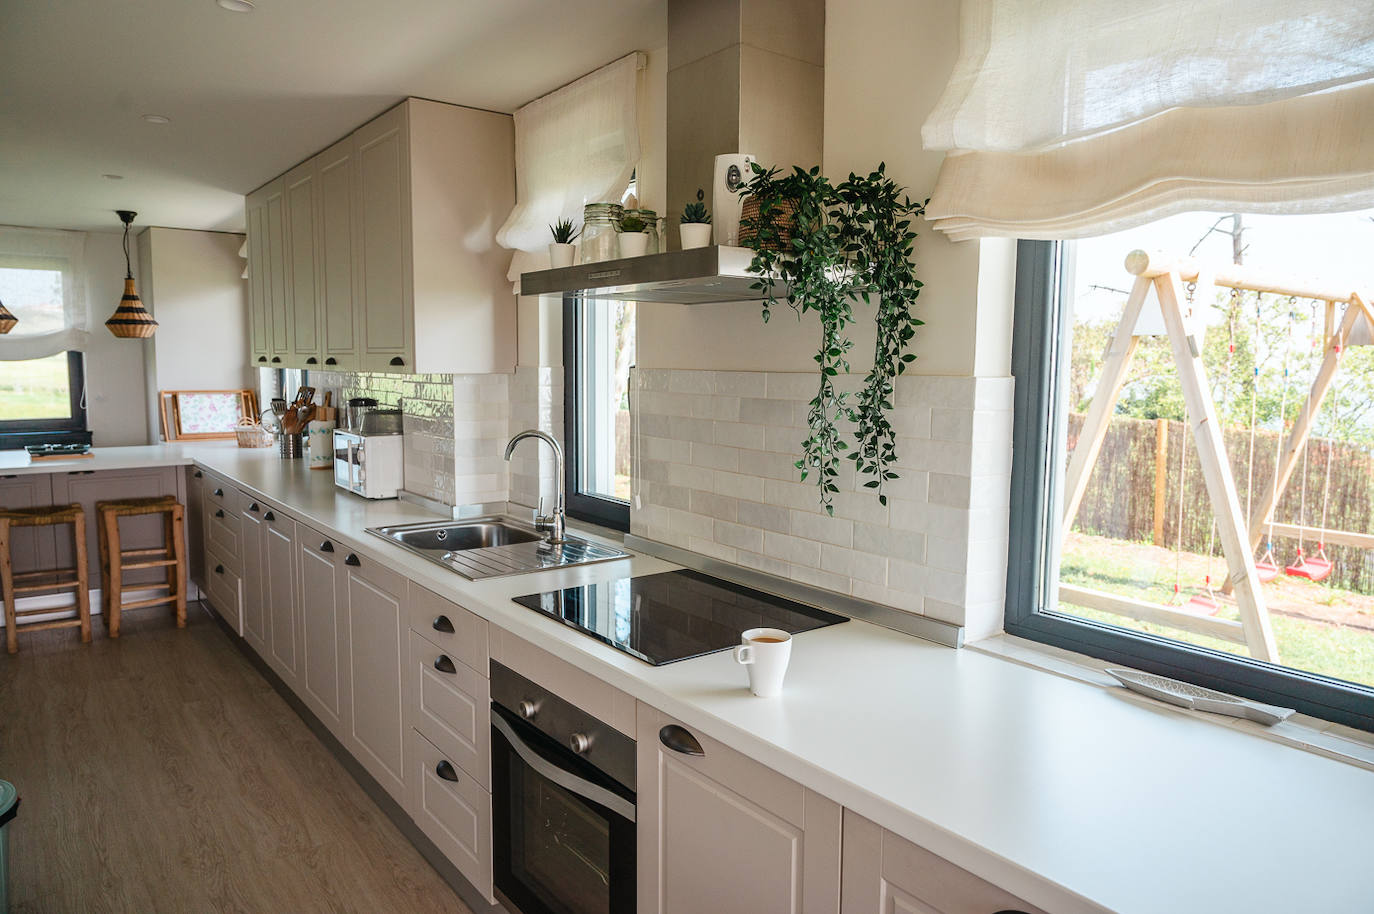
[115, 561]
[43, 580]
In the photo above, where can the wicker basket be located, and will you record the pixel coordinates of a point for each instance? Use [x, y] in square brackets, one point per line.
[250, 434]
[786, 222]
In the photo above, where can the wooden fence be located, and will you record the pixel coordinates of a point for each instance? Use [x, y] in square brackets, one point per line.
[1122, 500]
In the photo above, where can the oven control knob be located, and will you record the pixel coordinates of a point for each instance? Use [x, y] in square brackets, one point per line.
[527, 709]
[579, 743]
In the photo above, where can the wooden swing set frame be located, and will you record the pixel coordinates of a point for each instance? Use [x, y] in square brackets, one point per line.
[1167, 276]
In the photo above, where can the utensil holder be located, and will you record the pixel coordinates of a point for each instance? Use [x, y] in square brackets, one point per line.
[290, 447]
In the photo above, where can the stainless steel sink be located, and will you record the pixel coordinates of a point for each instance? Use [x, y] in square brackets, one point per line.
[488, 547]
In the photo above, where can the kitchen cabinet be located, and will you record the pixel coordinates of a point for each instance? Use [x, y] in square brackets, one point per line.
[195, 526]
[279, 595]
[887, 874]
[375, 598]
[453, 811]
[254, 626]
[324, 642]
[32, 548]
[380, 254]
[719, 832]
[86, 487]
[224, 590]
[450, 704]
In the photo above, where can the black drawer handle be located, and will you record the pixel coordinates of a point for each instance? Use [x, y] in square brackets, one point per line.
[326, 546]
[398, 361]
[331, 361]
[446, 771]
[443, 624]
[444, 665]
[219, 493]
[312, 361]
[680, 739]
[254, 507]
[352, 560]
[276, 359]
[199, 474]
[219, 513]
[269, 516]
[262, 358]
[219, 569]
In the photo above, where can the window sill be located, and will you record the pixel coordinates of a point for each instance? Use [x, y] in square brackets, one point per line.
[1311, 734]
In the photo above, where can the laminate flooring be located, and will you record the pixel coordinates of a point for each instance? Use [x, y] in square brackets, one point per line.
[161, 772]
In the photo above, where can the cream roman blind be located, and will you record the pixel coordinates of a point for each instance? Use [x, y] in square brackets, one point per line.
[1069, 118]
[43, 283]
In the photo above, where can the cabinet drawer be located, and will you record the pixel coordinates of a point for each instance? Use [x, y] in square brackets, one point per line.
[223, 529]
[223, 589]
[454, 814]
[450, 705]
[433, 616]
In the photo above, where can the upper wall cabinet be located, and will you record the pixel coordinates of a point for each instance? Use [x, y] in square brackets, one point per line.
[379, 254]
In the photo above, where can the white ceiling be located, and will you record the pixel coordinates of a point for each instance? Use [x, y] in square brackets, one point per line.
[250, 95]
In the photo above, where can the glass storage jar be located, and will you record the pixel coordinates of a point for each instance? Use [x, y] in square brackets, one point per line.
[600, 231]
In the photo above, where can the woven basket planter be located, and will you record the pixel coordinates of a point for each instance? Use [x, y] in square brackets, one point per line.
[786, 222]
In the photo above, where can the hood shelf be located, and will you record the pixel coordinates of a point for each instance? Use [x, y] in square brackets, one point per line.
[697, 277]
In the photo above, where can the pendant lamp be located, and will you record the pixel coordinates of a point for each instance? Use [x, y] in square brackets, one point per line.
[131, 320]
[7, 319]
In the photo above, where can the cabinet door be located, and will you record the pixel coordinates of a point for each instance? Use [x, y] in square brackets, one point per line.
[886, 874]
[720, 832]
[32, 548]
[301, 190]
[382, 259]
[375, 609]
[275, 262]
[259, 323]
[255, 623]
[86, 487]
[279, 593]
[195, 525]
[334, 230]
[324, 646]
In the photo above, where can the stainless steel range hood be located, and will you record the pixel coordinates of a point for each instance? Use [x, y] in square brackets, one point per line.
[696, 277]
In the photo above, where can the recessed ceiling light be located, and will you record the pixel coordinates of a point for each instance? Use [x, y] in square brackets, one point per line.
[114, 177]
[236, 6]
[157, 119]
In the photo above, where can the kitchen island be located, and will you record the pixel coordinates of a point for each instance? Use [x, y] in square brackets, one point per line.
[1068, 794]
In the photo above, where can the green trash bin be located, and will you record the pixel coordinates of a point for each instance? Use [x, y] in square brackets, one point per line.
[9, 808]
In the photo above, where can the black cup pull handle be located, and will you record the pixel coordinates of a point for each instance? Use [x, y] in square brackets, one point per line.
[398, 361]
[219, 493]
[276, 359]
[445, 770]
[312, 361]
[219, 569]
[254, 507]
[219, 513]
[444, 665]
[352, 560]
[680, 739]
[262, 358]
[199, 474]
[331, 361]
[326, 546]
[443, 624]
[269, 516]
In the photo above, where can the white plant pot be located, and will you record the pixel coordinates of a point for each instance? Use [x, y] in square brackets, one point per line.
[633, 244]
[561, 255]
[695, 234]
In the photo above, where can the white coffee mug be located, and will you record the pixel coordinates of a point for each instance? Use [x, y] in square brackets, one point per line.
[765, 651]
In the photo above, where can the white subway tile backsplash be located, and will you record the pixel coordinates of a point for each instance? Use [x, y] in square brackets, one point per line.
[737, 485]
[739, 434]
[822, 528]
[767, 412]
[792, 549]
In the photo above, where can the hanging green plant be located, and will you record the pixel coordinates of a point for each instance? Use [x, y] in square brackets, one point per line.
[831, 245]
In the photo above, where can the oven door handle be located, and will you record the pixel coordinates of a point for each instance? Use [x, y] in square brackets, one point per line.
[565, 779]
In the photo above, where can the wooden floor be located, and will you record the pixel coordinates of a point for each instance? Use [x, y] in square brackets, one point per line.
[161, 772]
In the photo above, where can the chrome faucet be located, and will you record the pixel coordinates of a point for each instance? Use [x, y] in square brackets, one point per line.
[552, 525]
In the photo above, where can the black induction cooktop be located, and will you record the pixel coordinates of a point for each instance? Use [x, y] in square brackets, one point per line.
[676, 615]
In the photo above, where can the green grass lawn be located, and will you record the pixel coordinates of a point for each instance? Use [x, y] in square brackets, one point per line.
[35, 389]
[1328, 644]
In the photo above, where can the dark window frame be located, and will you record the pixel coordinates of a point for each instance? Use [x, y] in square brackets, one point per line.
[596, 509]
[1040, 338]
[16, 433]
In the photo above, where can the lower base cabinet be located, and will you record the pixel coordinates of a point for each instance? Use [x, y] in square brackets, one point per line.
[886, 874]
[375, 734]
[720, 832]
[452, 809]
[324, 635]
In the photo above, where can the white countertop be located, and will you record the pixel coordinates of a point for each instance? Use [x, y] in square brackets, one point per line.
[1064, 793]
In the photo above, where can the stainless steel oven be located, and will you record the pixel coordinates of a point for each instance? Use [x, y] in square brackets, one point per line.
[563, 803]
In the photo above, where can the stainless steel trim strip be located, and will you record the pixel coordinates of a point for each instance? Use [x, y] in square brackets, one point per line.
[564, 779]
[907, 623]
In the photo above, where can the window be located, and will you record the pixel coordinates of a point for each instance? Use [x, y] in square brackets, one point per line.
[598, 351]
[42, 399]
[1141, 573]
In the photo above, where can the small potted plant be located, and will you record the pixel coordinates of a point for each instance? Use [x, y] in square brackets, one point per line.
[634, 241]
[696, 223]
[561, 250]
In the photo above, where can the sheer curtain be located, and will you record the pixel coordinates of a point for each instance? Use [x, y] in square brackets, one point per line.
[574, 146]
[43, 282]
[1066, 118]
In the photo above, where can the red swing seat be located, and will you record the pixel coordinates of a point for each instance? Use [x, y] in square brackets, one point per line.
[1266, 569]
[1314, 568]
[1200, 602]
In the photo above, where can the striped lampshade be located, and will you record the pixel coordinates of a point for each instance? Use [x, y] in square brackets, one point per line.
[131, 321]
[7, 319]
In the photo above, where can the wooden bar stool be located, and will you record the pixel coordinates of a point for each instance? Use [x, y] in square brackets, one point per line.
[115, 561]
[43, 580]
